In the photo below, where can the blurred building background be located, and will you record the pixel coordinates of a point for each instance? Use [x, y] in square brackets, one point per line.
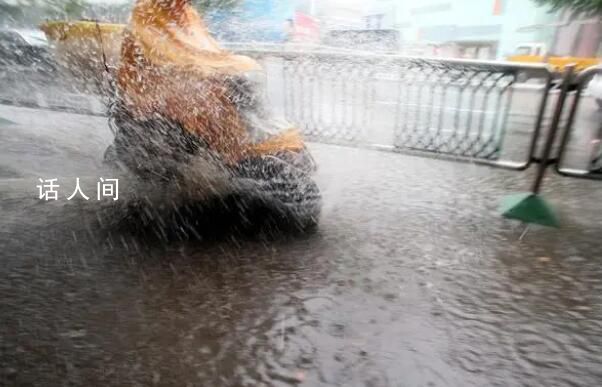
[253, 21]
[492, 29]
[481, 29]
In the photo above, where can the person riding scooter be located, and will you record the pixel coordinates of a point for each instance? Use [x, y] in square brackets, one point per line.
[180, 95]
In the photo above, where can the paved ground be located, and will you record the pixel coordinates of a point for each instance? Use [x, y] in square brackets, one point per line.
[412, 279]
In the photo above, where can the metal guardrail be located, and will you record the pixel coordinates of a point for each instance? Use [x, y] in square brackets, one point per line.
[459, 108]
[455, 108]
[330, 100]
[594, 169]
[445, 107]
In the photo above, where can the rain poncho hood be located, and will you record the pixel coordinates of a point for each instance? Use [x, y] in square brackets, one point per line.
[171, 32]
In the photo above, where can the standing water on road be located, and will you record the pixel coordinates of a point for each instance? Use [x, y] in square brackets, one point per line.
[196, 239]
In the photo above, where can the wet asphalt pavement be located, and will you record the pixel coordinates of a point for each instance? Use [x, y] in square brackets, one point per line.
[412, 279]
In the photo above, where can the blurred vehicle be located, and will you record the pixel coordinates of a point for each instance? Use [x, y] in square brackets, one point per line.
[23, 47]
[538, 53]
[595, 89]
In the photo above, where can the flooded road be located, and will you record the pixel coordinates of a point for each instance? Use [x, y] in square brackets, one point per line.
[412, 279]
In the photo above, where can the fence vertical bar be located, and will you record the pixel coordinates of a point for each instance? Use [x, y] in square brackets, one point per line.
[543, 165]
[539, 121]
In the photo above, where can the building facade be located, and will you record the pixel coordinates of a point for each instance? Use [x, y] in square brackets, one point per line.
[476, 29]
[492, 29]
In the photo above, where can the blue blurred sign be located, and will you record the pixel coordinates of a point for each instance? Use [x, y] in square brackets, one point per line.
[254, 21]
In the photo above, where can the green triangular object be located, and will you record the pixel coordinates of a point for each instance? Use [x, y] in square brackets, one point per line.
[529, 208]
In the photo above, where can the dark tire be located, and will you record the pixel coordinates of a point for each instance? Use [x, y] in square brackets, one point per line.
[287, 187]
[302, 203]
[599, 103]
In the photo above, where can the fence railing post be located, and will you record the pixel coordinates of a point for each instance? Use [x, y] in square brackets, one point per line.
[541, 111]
[530, 207]
[551, 138]
[584, 77]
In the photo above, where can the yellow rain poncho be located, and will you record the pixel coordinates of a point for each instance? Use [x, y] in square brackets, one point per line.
[171, 66]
